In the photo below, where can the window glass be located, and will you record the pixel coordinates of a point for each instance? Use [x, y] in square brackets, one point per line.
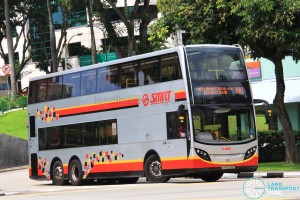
[71, 84]
[216, 64]
[54, 88]
[73, 135]
[175, 129]
[88, 82]
[170, 68]
[50, 138]
[91, 134]
[223, 125]
[3, 86]
[78, 135]
[129, 75]
[107, 79]
[33, 92]
[41, 90]
[148, 71]
[110, 133]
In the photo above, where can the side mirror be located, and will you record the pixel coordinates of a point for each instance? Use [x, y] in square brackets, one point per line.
[267, 109]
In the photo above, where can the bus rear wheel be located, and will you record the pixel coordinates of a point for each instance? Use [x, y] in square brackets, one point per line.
[58, 173]
[75, 172]
[153, 170]
[211, 177]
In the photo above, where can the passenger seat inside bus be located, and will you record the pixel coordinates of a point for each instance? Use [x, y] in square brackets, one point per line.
[204, 136]
[141, 78]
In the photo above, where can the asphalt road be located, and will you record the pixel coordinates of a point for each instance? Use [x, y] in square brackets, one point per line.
[16, 185]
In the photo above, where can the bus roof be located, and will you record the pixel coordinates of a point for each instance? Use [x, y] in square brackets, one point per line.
[114, 62]
[129, 59]
[215, 45]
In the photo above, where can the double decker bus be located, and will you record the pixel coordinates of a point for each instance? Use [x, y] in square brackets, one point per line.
[183, 111]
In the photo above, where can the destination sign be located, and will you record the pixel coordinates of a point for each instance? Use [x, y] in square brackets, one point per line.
[224, 90]
[221, 92]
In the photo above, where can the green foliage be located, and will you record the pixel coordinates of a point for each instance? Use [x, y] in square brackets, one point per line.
[275, 138]
[269, 27]
[272, 144]
[158, 34]
[6, 103]
[204, 21]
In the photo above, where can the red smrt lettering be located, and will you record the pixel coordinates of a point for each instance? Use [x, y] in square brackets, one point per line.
[160, 97]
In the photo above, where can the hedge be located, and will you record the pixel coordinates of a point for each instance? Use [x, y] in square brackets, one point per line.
[7, 104]
[271, 145]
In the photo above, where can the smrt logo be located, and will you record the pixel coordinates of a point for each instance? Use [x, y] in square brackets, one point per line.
[157, 98]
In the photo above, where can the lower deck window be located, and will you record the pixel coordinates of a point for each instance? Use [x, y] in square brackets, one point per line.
[78, 135]
[175, 129]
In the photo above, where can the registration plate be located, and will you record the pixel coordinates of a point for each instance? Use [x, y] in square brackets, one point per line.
[228, 167]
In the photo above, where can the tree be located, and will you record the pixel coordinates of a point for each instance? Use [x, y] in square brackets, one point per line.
[42, 20]
[10, 50]
[19, 20]
[91, 25]
[204, 21]
[137, 18]
[271, 29]
[54, 60]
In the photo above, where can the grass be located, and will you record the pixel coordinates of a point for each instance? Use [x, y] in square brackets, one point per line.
[278, 166]
[14, 124]
[261, 123]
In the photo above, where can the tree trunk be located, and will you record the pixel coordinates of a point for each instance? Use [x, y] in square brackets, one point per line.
[131, 39]
[52, 39]
[291, 149]
[143, 46]
[10, 51]
[93, 44]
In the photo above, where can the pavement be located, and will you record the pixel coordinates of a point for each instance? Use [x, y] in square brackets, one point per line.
[275, 174]
[13, 169]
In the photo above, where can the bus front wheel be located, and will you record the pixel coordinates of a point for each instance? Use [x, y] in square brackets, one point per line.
[75, 172]
[58, 173]
[153, 170]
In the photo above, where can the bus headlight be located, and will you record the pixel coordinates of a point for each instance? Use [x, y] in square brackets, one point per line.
[203, 154]
[250, 152]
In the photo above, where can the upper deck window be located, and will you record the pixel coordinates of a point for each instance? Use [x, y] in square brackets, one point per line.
[71, 85]
[107, 79]
[211, 63]
[88, 82]
[147, 71]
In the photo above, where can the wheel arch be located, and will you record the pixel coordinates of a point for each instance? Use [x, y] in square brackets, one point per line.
[149, 153]
[74, 157]
[51, 166]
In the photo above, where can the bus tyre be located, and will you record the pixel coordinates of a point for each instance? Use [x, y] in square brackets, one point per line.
[153, 170]
[212, 177]
[75, 172]
[58, 173]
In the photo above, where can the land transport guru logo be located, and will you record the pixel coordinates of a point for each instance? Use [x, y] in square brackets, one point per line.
[255, 188]
[157, 98]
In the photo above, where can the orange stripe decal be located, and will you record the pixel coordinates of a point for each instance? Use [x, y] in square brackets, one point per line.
[180, 95]
[123, 103]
